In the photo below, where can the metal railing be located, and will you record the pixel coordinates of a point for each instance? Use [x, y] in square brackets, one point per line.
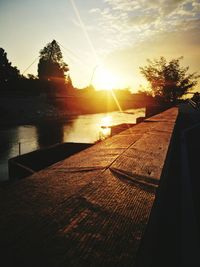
[195, 105]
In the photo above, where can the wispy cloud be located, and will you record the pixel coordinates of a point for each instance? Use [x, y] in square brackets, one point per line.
[126, 22]
[95, 10]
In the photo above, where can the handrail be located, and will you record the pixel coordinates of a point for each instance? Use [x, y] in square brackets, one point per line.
[195, 105]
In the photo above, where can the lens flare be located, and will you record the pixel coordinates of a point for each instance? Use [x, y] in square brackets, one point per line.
[77, 13]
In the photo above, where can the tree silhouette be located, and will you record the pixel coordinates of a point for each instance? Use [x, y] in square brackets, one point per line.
[7, 72]
[51, 66]
[31, 76]
[168, 79]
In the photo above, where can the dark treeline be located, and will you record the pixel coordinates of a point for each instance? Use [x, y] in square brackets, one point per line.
[53, 77]
[167, 80]
[53, 74]
[51, 93]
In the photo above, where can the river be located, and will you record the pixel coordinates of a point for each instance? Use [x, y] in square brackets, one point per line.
[77, 129]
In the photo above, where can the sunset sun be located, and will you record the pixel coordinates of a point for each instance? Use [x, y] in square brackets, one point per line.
[104, 79]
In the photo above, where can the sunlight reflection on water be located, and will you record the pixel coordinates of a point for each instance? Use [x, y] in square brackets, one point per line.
[81, 129]
[105, 131]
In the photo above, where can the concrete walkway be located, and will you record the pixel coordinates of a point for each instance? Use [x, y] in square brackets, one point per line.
[91, 209]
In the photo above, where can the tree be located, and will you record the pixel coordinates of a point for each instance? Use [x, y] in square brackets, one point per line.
[7, 72]
[168, 80]
[51, 66]
[31, 76]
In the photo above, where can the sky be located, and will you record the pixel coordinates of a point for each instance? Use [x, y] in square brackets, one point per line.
[104, 42]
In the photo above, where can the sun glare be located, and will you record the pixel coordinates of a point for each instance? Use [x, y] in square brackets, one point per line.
[106, 121]
[104, 79]
[105, 127]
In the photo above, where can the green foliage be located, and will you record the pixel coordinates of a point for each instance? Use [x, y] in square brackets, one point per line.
[168, 80]
[7, 72]
[51, 66]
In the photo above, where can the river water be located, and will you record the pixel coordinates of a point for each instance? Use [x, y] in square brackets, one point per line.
[77, 129]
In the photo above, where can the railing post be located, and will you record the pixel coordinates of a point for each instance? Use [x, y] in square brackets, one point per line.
[19, 148]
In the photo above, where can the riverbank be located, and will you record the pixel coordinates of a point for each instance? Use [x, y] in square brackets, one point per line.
[44, 133]
[25, 109]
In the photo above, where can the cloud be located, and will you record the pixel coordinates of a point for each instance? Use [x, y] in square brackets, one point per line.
[135, 20]
[141, 20]
[167, 7]
[126, 32]
[162, 6]
[95, 10]
[196, 6]
[126, 5]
